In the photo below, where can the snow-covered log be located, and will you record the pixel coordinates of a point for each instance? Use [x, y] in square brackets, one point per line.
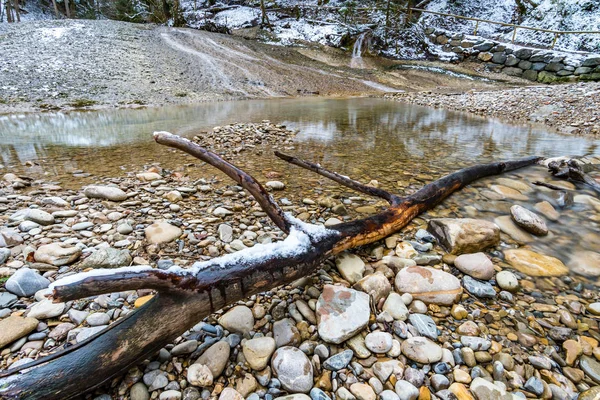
[185, 296]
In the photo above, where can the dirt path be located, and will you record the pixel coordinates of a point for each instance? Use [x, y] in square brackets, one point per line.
[51, 65]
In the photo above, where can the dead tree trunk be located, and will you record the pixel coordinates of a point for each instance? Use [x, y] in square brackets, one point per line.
[67, 9]
[186, 296]
[56, 13]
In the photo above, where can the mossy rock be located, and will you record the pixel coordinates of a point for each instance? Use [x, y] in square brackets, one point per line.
[590, 77]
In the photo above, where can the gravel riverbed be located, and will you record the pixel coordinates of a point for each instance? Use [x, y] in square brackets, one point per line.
[453, 307]
[568, 108]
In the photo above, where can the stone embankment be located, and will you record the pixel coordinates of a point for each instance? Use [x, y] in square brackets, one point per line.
[545, 66]
[451, 308]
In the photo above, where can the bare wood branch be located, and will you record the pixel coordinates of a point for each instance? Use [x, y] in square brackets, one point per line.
[187, 296]
[342, 180]
[264, 199]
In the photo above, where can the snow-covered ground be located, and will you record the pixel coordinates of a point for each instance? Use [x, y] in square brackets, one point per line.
[562, 15]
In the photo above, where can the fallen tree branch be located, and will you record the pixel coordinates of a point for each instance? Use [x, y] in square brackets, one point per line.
[185, 296]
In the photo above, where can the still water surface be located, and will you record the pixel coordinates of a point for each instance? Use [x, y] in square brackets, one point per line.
[402, 146]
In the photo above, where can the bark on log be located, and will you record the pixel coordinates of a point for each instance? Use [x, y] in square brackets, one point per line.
[186, 296]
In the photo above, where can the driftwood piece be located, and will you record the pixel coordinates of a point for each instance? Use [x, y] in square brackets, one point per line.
[185, 296]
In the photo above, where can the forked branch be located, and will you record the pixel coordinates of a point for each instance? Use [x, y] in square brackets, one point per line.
[186, 296]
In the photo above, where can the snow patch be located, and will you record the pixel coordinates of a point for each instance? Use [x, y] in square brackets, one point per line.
[78, 278]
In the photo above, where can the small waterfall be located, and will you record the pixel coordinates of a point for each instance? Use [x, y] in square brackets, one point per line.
[357, 60]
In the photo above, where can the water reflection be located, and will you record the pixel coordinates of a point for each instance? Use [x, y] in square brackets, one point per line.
[374, 133]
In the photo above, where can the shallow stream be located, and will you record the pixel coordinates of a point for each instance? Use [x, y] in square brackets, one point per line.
[401, 146]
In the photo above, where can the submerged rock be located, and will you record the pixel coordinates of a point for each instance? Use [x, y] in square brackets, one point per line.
[528, 220]
[464, 235]
[534, 264]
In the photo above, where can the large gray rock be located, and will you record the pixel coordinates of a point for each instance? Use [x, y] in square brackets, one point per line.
[107, 258]
[429, 285]
[105, 192]
[464, 235]
[293, 369]
[528, 220]
[341, 313]
[216, 357]
[25, 282]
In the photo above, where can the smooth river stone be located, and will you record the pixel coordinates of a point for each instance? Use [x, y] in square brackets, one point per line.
[162, 232]
[341, 313]
[508, 226]
[591, 367]
[13, 328]
[464, 235]
[258, 351]
[477, 265]
[350, 266]
[215, 358]
[509, 193]
[105, 192]
[528, 220]
[534, 264]
[375, 285]
[429, 285]
[421, 350]
[293, 369]
[547, 210]
[585, 263]
[57, 254]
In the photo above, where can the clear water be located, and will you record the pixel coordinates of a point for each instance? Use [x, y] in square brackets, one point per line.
[402, 146]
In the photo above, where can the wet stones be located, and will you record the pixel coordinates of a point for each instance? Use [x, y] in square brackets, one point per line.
[57, 254]
[528, 220]
[341, 313]
[25, 282]
[105, 192]
[429, 285]
[534, 264]
[464, 235]
[477, 265]
[293, 369]
[14, 327]
[421, 350]
[586, 263]
[162, 232]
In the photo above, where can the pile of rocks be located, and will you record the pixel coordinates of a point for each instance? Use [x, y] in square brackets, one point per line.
[452, 308]
[544, 66]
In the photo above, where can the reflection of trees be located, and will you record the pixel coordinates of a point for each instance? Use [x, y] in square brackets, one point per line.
[383, 134]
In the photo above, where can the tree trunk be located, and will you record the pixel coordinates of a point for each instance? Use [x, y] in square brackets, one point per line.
[56, 13]
[67, 9]
[186, 296]
[17, 11]
[265, 17]
[7, 7]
